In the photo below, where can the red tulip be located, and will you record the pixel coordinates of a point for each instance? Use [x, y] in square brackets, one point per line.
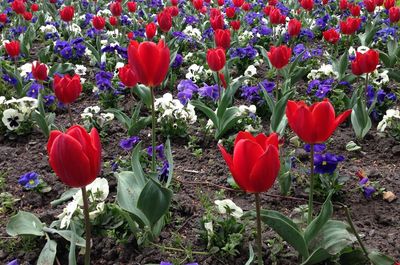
[221, 2]
[279, 56]
[235, 24]
[39, 71]
[331, 36]
[150, 61]
[370, 5]
[222, 78]
[365, 63]
[246, 6]
[350, 25]
[388, 4]
[35, 7]
[174, 2]
[272, 2]
[379, 2]
[98, 22]
[130, 35]
[75, 156]
[113, 21]
[355, 10]
[173, 10]
[343, 4]
[238, 3]
[151, 30]
[394, 14]
[223, 38]
[67, 13]
[230, 12]
[276, 17]
[3, 18]
[316, 123]
[198, 4]
[164, 20]
[294, 27]
[216, 59]
[116, 9]
[18, 6]
[27, 16]
[128, 76]
[13, 48]
[217, 22]
[131, 7]
[307, 4]
[67, 88]
[255, 163]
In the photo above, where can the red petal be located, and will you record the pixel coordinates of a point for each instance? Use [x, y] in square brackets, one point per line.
[324, 117]
[265, 170]
[53, 136]
[69, 161]
[149, 57]
[245, 155]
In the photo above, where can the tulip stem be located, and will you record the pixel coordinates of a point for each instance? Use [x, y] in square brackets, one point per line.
[259, 241]
[153, 132]
[71, 119]
[311, 193]
[87, 225]
[219, 89]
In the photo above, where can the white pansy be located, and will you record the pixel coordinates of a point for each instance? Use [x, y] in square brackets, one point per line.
[2, 100]
[250, 71]
[98, 189]
[48, 29]
[387, 119]
[25, 69]
[99, 209]
[326, 70]
[12, 119]
[228, 205]
[67, 214]
[173, 109]
[80, 70]
[192, 32]
[245, 110]
[92, 109]
[107, 116]
[362, 49]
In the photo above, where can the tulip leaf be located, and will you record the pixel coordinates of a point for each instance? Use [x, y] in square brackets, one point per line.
[137, 167]
[287, 229]
[144, 93]
[353, 257]
[278, 121]
[316, 225]
[206, 110]
[24, 223]
[360, 119]
[317, 256]
[168, 155]
[154, 201]
[380, 259]
[251, 256]
[228, 121]
[48, 253]
[67, 235]
[61, 68]
[334, 237]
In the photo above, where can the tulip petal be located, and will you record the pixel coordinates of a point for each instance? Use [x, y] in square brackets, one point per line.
[324, 116]
[149, 60]
[96, 144]
[69, 161]
[243, 135]
[227, 157]
[265, 170]
[245, 155]
[302, 123]
[341, 118]
[52, 137]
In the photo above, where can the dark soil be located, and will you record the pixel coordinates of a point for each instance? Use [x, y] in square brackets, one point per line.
[376, 220]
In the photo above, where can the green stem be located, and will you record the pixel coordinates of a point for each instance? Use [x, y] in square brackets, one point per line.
[353, 228]
[311, 194]
[259, 241]
[71, 119]
[87, 225]
[153, 131]
[219, 89]
[366, 86]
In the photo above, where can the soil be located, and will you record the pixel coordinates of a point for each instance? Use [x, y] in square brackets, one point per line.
[377, 221]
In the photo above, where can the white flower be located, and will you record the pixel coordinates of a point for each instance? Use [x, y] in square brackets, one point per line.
[48, 29]
[25, 69]
[80, 70]
[250, 71]
[99, 209]
[107, 116]
[228, 205]
[99, 191]
[92, 109]
[12, 118]
[362, 49]
[2, 100]
[387, 118]
[67, 214]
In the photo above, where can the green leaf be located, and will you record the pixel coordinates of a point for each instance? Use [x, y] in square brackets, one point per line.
[137, 167]
[251, 255]
[278, 114]
[24, 223]
[121, 117]
[144, 93]
[48, 253]
[287, 229]
[228, 121]
[67, 195]
[353, 257]
[129, 188]
[168, 155]
[352, 146]
[334, 237]
[380, 259]
[72, 247]
[206, 110]
[61, 68]
[67, 235]
[154, 201]
[360, 119]
[316, 225]
[316, 257]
